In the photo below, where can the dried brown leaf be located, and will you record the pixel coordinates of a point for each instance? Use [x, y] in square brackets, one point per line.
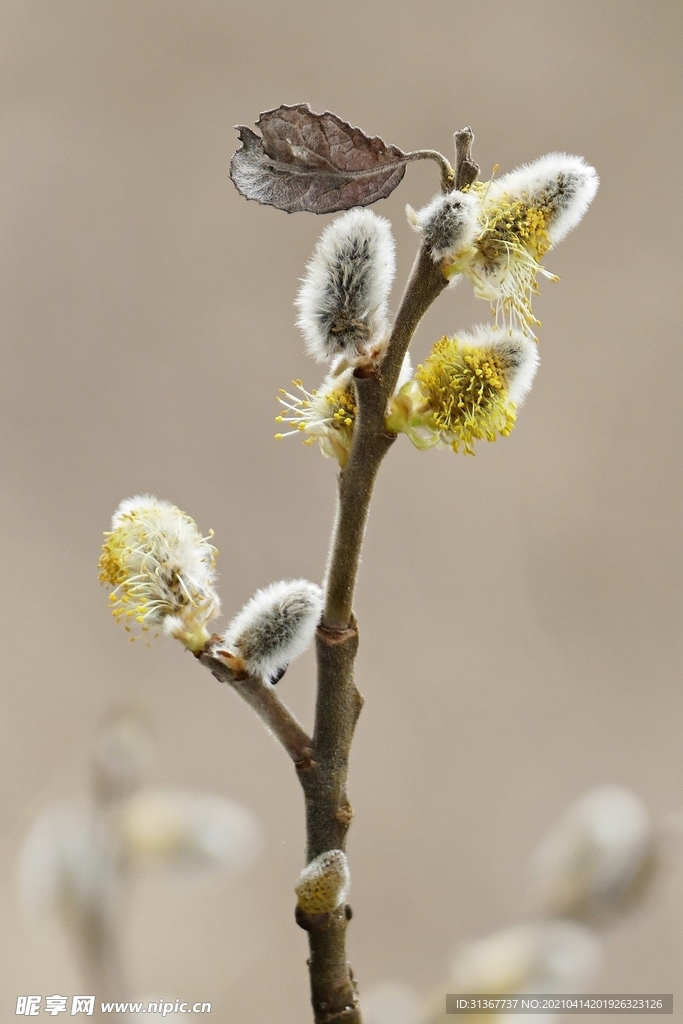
[304, 161]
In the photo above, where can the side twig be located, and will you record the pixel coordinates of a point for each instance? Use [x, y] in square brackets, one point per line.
[466, 171]
[274, 713]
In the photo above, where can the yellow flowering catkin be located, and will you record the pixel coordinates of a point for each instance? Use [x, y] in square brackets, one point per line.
[468, 389]
[326, 415]
[162, 571]
[521, 216]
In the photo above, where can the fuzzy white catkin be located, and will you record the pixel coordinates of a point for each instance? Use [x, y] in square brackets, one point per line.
[449, 222]
[186, 829]
[343, 297]
[541, 957]
[594, 861]
[275, 626]
[564, 184]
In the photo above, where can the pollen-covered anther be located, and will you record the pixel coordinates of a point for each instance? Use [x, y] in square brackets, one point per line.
[162, 571]
[327, 415]
[324, 884]
[342, 301]
[468, 389]
[275, 626]
[521, 216]
[449, 223]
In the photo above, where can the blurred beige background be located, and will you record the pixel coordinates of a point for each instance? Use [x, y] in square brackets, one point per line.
[519, 611]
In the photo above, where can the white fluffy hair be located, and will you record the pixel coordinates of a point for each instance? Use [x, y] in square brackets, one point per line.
[342, 301]
[275, 626]
[448, 222]
[563, 182]
[406, 373]
[168, 566]
[519, 352]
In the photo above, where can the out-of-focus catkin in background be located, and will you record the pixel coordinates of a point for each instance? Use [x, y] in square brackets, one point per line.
[519, 611]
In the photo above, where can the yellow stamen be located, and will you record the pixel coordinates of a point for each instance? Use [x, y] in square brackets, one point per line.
[465, 393]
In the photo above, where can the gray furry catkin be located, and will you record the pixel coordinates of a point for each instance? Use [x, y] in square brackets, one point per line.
[342, 301]
[275, 626]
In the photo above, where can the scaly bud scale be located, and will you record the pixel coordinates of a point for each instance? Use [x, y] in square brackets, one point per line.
[323, 885]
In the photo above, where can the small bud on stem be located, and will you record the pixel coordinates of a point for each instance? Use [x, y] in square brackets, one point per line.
[323, 884]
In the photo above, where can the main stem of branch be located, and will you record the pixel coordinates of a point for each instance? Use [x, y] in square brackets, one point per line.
[324, 780]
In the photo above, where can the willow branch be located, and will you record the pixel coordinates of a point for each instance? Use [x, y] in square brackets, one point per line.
[272, 711]
[96, 930]
[328, 810]
[371, 443]
[465, 171]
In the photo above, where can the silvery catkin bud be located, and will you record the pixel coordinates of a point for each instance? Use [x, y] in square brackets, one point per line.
[449, 223]
[342, 301]
[275, 626]
[323, 884]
